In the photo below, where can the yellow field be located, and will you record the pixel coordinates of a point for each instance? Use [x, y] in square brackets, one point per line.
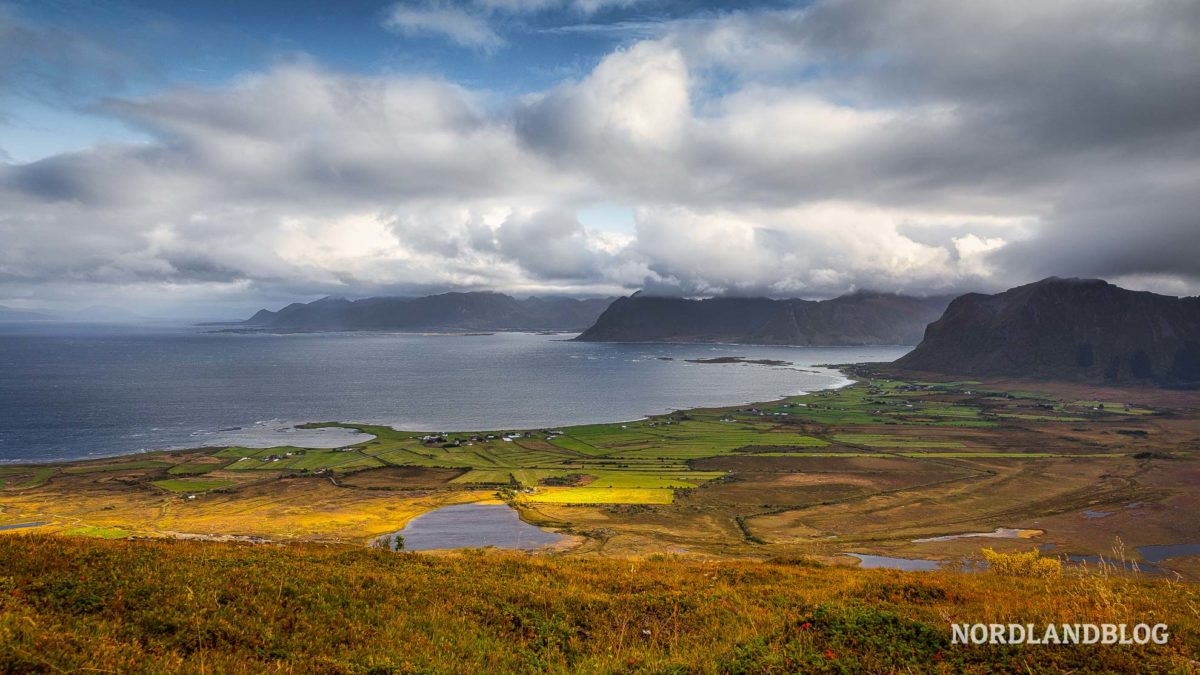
[284, 510]
[590, 495]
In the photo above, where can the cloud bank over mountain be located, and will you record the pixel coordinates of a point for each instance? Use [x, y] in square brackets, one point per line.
[926, 147]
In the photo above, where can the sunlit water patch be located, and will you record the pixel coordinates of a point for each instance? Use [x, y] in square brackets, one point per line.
[887, 562]
[471, 526]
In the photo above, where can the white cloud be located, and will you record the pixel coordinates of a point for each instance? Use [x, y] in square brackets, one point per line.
[471, 23]
[467, 29]
[818, 249]
[528, 6]
[760, 153]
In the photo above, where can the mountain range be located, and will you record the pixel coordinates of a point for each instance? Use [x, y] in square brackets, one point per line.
[1077, 329]
[10, 314]
[447, 312]
[862, 318]
[1074, 329]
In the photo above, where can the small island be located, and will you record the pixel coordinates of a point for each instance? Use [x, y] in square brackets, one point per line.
[742, 359]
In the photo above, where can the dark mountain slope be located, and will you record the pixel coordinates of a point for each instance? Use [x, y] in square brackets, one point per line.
[446, 312]
[857, 319]
[1084, 329]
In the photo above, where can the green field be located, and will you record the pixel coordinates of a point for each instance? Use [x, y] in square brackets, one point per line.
[193, 469]
[99, 532]
[25, 477]
[882, 441]
[191, 484]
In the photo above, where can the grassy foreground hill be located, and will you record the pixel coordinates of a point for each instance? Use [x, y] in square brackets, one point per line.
[73, 604]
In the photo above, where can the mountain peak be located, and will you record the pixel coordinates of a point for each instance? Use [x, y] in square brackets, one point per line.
[1079, 329]
[456, 311]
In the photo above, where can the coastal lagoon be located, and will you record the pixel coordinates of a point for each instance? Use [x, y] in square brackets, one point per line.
[71, 391]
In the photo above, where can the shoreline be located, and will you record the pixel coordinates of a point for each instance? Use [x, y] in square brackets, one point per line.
[839, 370]
[772, 485]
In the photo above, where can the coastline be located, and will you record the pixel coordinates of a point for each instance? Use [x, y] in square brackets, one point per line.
[799, 475]
[839, 371]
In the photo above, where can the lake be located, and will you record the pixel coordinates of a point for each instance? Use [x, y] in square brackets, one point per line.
[472, 526]
[71, 391]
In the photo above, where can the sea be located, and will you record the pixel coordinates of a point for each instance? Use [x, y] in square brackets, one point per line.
[72, 391]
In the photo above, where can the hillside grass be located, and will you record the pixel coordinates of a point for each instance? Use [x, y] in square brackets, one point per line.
[101, 532]
[71, 604]
[193, 469]
[117, 466]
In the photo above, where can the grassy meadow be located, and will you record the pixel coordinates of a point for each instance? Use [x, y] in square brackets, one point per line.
[75, 604]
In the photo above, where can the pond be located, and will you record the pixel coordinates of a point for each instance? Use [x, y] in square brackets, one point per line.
[19, 526]
[886, 562]
[1159, 553]
[472, 526]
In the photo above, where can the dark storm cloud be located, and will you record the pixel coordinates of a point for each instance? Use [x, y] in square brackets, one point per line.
[1129, 230]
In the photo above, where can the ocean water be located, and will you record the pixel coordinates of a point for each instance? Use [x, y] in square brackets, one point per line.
[71, 391]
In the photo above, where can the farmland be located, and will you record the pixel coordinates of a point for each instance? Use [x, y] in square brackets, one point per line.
[868, 468]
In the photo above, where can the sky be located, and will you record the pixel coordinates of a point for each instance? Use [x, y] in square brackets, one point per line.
[211, 158]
